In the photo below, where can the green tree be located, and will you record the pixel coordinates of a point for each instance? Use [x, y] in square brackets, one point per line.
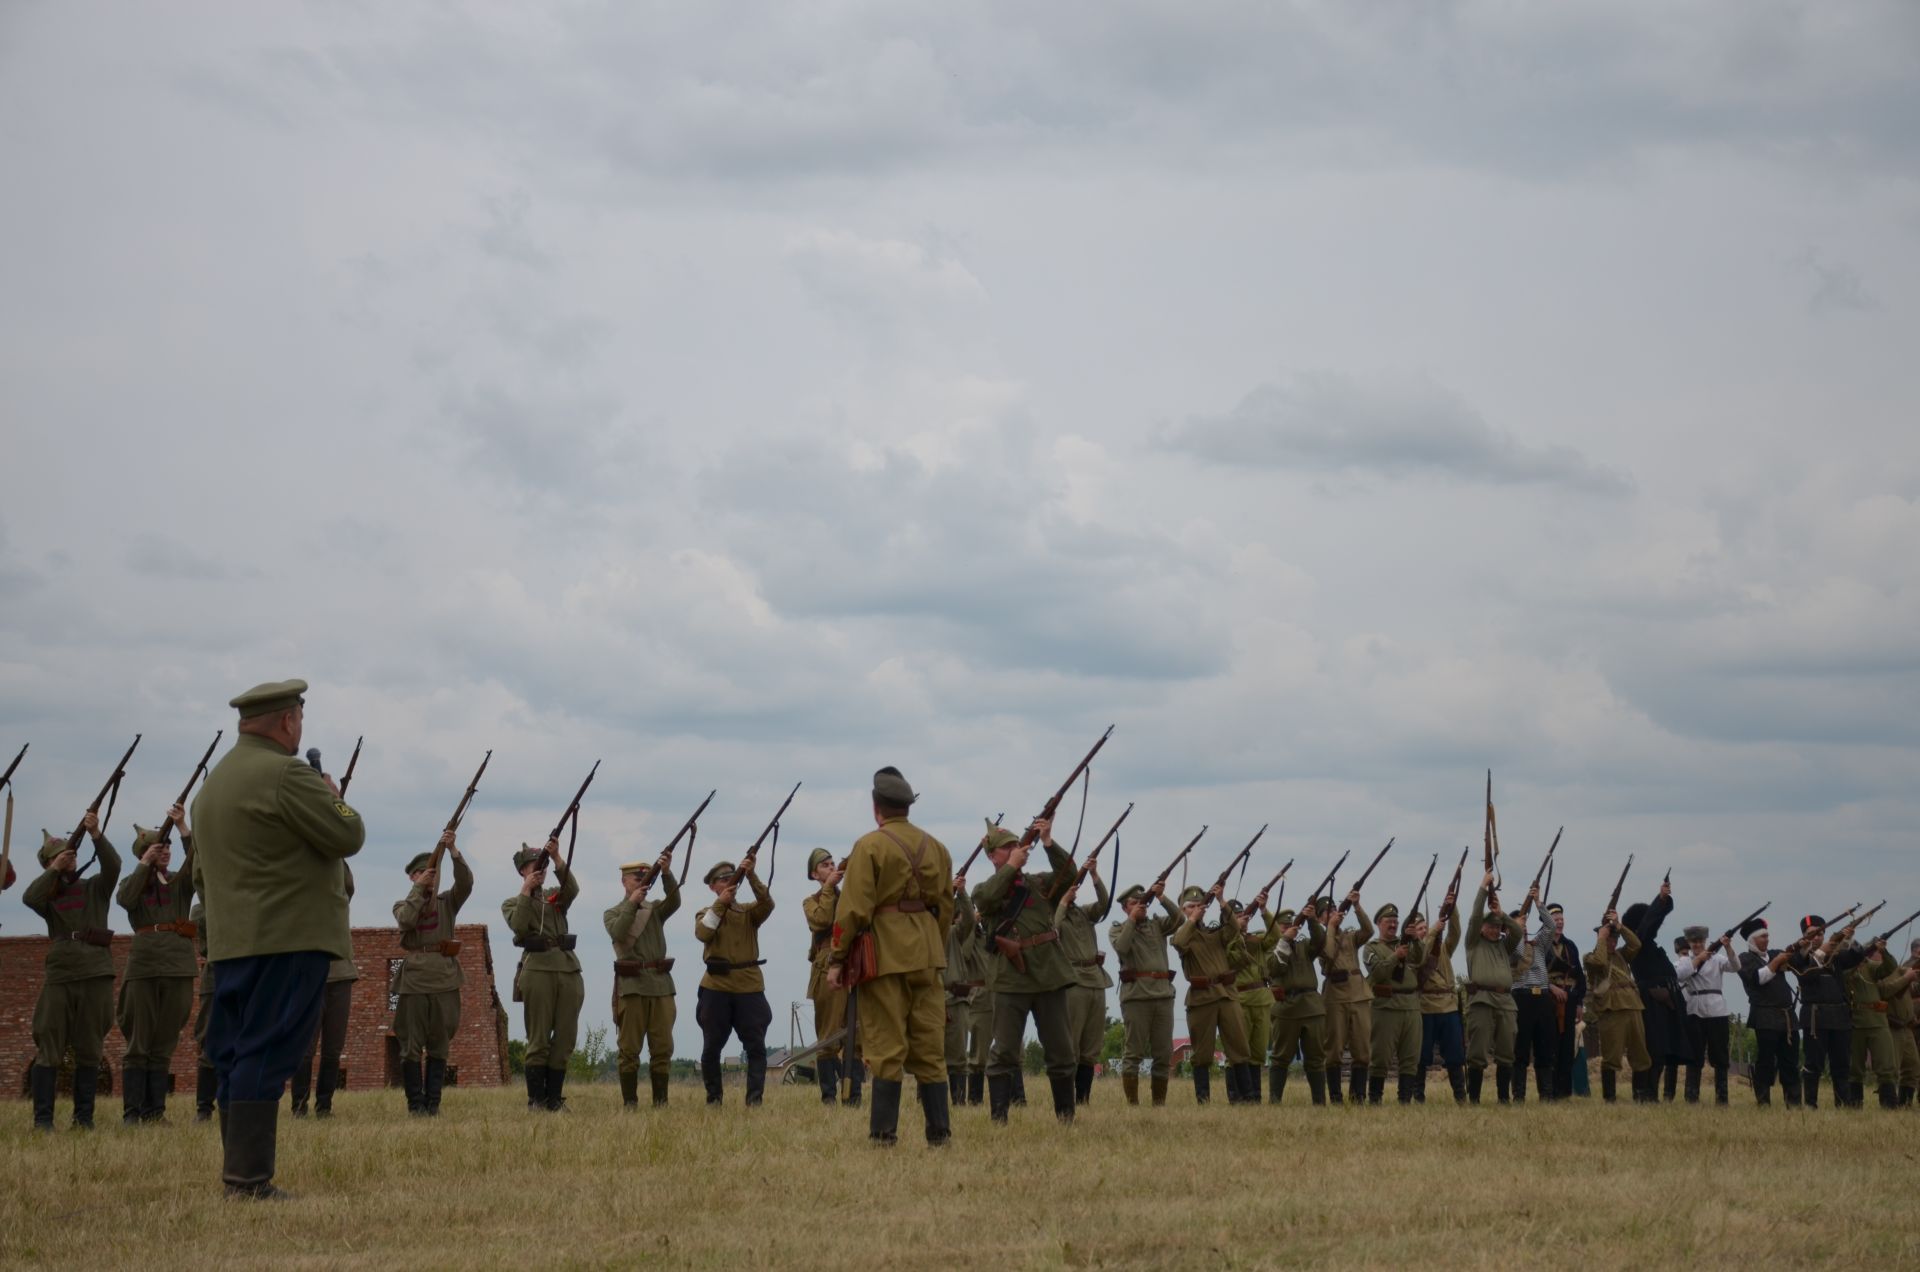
[589, 1057]
[516, 1055]
[1114, 1044]
[1035, 1059]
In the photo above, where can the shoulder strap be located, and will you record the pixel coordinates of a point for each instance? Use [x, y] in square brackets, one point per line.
[915, 855]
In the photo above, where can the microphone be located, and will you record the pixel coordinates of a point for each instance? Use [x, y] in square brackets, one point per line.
[313, 758]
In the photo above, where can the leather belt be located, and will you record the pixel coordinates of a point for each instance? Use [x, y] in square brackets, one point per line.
[1338, 977]
[1250, 986]
[1128, 977]
[957, 988]
[179, 927]
[1473, 988]
[908, 906]
[102, 937]
[634, 967]
[1210, 982]
[541, 944]
[724, 967]
[1028, 942]
[450, 949]
[1379, 992]
[1534, 990]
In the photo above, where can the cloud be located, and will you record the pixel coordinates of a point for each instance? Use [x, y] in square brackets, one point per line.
[1834, 286]
[1323, 422]
[168, 558]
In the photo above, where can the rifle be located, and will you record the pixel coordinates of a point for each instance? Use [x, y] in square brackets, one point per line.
[460, 811]
[1182, 856]
[1493, 839]
[570, 821]
[1452, 896]
[1613, 902]
[690, 831]
[110, 793]
[1327, 883]
[1226, 874]
[6, 778]
[1734, 931]
[1111, 832]
[1888, 935]
[1666, 880]
[1545, 864]
[1047, 811]
[353, 762]
[1346, 905]
[1421, 895]
[773, 828]
[6, 834]
[1453, 887]
[1276, 879]
[166, 824]
[1854, 926]
[976, 850]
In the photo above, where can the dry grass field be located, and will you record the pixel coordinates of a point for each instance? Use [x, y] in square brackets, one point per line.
[796, 1185]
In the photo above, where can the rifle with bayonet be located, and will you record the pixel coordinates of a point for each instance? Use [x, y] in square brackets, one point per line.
[1546, 864]
[1112, 831]
[745, 867]
[459, 812]
[165, 836]
[1047, 811]
[1613, 902]
[1346, 902]
[109, 795]
[689, 831]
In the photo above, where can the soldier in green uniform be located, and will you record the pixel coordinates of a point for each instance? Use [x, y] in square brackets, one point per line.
[1614, 997]
[206, 1082]
[156, 991]
[1393, 973]
[1872, 980]
[1146, 988]
[1254, 988]
[1087, 996]
[1212, 958]
[898, 887]
[1901, 1016]
[75, 1007]
[1441, 1028]
[1349, 999]
[1493, 939]
[428, 1012]
[271, 838]
[969, 1004]
[1299, 1011]
[643, 1005]
[548, 978]
[1030, 971]
[329, 1037]
[732, 997]
[829, 1004]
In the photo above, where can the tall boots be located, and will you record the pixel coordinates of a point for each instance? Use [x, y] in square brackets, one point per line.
[1277, 1084]
[1671, 1078]
[856, 1076]
[999, 1095]
[1359, 1089]
[956, 1087]
[757, 1075]
[1519, 1086]
[133, 1096]
[410, 1082]
[1418, 1085]
[660, 1079]
[205, 1084]
[1230, 1075]
[537, 1089]
[1130, 1087]
[1376, 1089]
[301, 1086]
[1332, 1078]
[1062, 1095]
[976, 1086]
[157, 1080]
[1810, 1087]
[323, 1090]
[883, 1114]
[1693, 1084]
[1083, 1084]
[250, 1130]
[630, 1090]
[1457, 1080]
[433, 1081]
[556, 1090]
[43, 1082]
[1019, 1088]
[1316, 1087]
[1889, 1098]
[1202, 1084]
[828, 1070]
[86, 1083]
[1610, 1085]
[1158, 1085]
[1476, 1080]
[1250, 1084]
[1502, 1082]
[1410, 1083]
[1906, 1097]
[933, 1109]
[1721, 1094]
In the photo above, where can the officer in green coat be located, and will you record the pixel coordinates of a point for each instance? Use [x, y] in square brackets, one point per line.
[1087, 996]
[643, 1004]
[1393, 972]
[271, 838]
[156, 990]
[427, 1014]
[1031, 972]
[1493, 940]
[75, 1007]
[547, 981]
[1299, 1011]
[1139, 942]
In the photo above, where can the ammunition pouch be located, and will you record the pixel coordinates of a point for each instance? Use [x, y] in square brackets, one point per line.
[450, 949]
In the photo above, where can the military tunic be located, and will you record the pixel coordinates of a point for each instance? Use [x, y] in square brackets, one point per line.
[1212, 959]
[156, 991]
[1087, 996]
[644, 1009]
[1349, 1001]
[969, 1004]
[1396, 1009]
[1253, 988]
[1299, 1009]
[731, 1000]
[1441, 1027]
[829, 1004]
[1901, 1017]
[1019, 908]
[427, 1015]
[75, 1007]
[1615, 1000]
[547, 980]
[1146, 990]
[1872, 987]
[1491, 1012]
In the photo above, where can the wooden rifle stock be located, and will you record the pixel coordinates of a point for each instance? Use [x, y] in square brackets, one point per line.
[1613, 902]
[1420, 897]
[1493, 839]
[1735, 929]
[1326, 884]
[112, 787]
[1239, 857]
[1276, 879]
[1053, 805]
[1361, 882]
[746, 863]
[965, 865]
[459, 812]
[353, 762]
[1854, 924]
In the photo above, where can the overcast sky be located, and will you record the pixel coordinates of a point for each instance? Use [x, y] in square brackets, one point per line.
[1342, 400]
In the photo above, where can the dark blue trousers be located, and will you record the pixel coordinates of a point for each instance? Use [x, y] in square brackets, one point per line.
[265, 1009]
[1441, 1031]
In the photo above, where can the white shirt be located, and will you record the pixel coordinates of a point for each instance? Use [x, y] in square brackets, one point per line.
[1702, 984]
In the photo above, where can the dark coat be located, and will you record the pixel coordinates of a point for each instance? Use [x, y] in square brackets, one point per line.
[1652, 968]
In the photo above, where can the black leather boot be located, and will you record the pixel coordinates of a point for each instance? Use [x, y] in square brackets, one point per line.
[976, 1087]
[1316, 1087]
[956, 1087]
[1358, 1086]
[1019, 1080]
[1502, 1082]
[205, 1084]
[1410, 1084]
[660, 1081]
[1277, 1083]
[536, 1088]
[1721, 1092]
[300, 1086]
[1520, 1085]
[1457, 1079]
[43, 1081]
[1062, 1085]
[1202, 1084]
[1693, 1084]
[1332, 1078]
[1609, 1085]
[1906, 1097]
[630, 1090]
[883, 1116]
[1157, 1084]
[1249, 1084]
[1417, 1083]
[1889, 1098]
[1476, 1079]
[1810, 1087]
[157, 1080]
[86, 1082]
[410, 1083]
[999, 1095]
[1376, 1089]
[1130, 1087]
[1230, 1077]
[252, 1129]
[133, 1096]
[829, 1070]
[323, 1089]
[933, 1108]
[434, 1080]
[1670, 1079]
[855, 1077]
[1083, 1084]
[556, 1090]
